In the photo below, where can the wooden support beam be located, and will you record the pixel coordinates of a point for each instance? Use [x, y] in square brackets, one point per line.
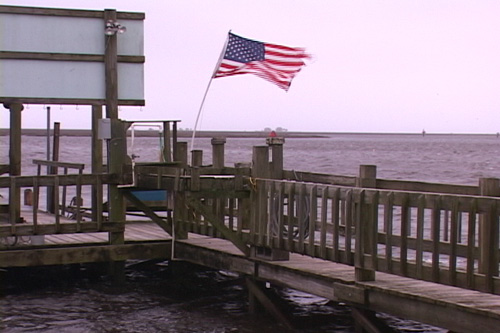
[15, 156]
[64, 228]
[15, 138]
[118, 143]
[267, 303]
[369, 322]
[88, 179]
[350, 294]
[84, 254]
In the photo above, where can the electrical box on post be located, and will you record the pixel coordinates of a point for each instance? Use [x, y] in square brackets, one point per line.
[104, 129]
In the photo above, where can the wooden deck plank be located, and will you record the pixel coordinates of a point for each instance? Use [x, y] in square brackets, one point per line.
[152, 231]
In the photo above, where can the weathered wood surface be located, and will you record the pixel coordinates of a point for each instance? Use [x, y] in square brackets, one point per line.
[383, 184]
[84, 254]
[67, 57]
[49, 180]
[428, 236]
[143, 240]
[444, 306]
[67, 12]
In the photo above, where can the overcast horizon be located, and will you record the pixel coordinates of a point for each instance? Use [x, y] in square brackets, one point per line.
[378, 66]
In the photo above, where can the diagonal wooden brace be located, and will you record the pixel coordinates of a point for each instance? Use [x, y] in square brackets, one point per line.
[225, 231]
[148, 211]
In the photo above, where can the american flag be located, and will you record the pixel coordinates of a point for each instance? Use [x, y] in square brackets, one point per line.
[275, 63]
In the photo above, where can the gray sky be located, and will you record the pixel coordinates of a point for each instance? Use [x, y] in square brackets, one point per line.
[379, 66]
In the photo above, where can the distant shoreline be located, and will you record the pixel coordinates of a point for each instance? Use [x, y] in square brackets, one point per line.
[227, 134]
[180, 133]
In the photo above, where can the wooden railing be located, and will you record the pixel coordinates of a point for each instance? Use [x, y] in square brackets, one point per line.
[53, 169]
[76, 184]
[444, 233]
[444, 238]
[385, 184]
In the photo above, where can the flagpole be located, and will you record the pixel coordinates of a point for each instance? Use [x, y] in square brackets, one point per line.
[208, 87]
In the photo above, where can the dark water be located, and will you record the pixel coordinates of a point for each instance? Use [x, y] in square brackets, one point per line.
[184, 298]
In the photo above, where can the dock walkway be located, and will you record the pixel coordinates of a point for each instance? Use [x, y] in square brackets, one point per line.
[143, 240]
[444, 306]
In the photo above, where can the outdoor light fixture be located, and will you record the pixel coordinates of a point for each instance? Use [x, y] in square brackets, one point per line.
[113, 27]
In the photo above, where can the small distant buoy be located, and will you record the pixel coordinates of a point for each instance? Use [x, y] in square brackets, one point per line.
[273, 134]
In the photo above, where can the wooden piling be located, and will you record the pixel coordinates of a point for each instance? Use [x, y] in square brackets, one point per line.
[110, 68]
[260, 162]
[181, 153]
[276, 165]
[196, 158]
[15, 158]
[117, 149]
[218, 152]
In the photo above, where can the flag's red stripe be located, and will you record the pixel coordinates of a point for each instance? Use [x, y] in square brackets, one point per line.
[285, 55]
[287, 48]
[285, 63]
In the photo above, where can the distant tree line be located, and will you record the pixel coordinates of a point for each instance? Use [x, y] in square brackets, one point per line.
[278, 129]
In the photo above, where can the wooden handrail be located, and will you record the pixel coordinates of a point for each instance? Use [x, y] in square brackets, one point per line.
[385, 184]
[79, 166]
[49, 180]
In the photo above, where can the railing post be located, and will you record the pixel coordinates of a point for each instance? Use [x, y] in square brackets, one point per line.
[367, 176]
[181, 153]
[259, 209]
[244, 204]
[218, 152]
[488, 233]
[260, 162]
[260, 169]
[365, 226]
[196, 158]
[276, 146]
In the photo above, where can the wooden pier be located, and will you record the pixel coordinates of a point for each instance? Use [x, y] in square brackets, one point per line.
[422, 251]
